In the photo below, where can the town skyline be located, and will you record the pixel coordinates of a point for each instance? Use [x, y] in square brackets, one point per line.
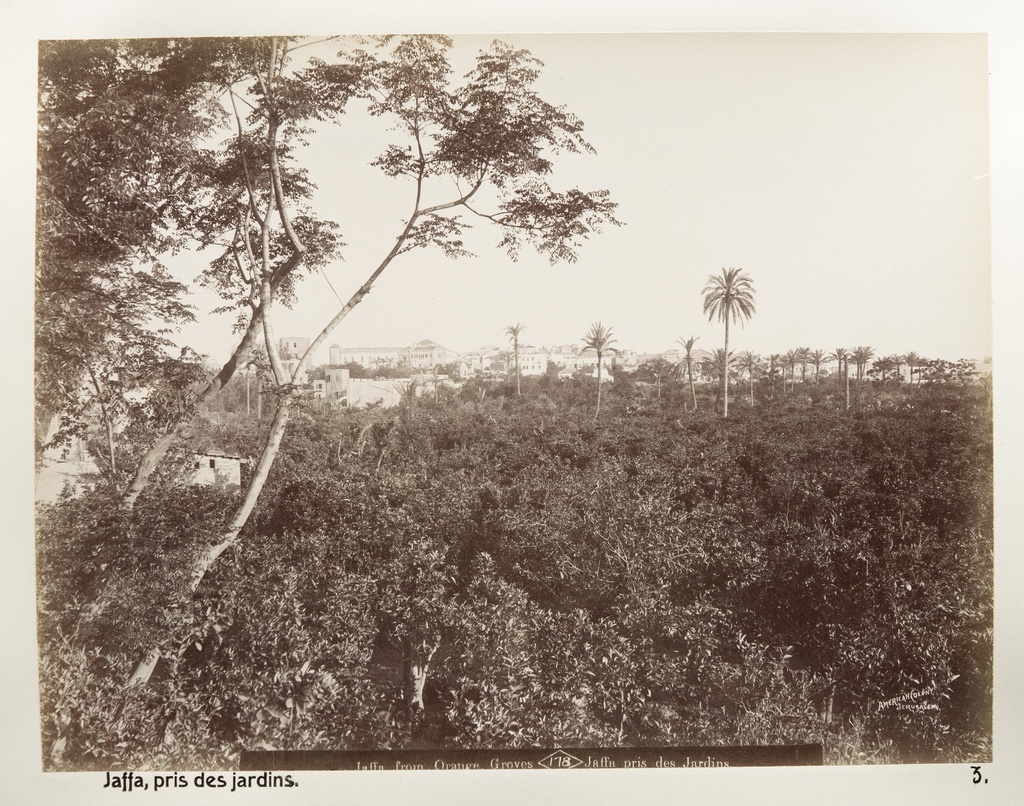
[526, 346]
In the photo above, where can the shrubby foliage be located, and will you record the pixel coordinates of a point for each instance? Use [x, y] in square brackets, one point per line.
[657, 576]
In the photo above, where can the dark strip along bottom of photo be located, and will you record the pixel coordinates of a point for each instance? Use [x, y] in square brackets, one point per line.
[568, 758]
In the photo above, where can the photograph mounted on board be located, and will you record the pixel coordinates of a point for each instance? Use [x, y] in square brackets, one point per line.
[513, 401]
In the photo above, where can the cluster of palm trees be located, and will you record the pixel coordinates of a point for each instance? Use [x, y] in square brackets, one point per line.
[895, 363]
[859, 356]
[598, 338]
[804, 357]
[784, 366]
[729, 297]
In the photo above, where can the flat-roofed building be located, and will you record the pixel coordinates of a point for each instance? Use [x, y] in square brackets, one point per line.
[369, 357]
[428, 354]
[334, 386]
[217, 469]
[532, 360]
[425, 354]
[292, 347]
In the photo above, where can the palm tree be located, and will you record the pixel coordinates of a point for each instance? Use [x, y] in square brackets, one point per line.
[913, 361]
[660, 370]
[599, 339]
[818, 357]
[513, 331]
[748, 362]
[729, 296]
[774, 360]
[789, 361]
[861, 356]
[717, 366]
[899, 361]
[839, 355]
[803, 358]
[688, 346]
[842, 357]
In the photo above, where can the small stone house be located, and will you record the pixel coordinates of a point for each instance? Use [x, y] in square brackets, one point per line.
[217, 469]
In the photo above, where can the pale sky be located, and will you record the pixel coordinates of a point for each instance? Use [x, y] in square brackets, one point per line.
[847, 174]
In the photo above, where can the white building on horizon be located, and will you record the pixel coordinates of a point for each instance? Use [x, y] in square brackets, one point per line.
[423, 354]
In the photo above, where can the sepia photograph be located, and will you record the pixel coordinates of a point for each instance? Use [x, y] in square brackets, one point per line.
[428, 392]
[421, 402]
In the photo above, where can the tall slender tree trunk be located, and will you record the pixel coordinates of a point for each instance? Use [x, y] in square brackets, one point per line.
[252, 491]
[270, 280]
[598, 409]
[280, 422]
[725, 371]
[689, 372]
[145, 668]
[109, 428]
[415, 668]
[846, 373]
